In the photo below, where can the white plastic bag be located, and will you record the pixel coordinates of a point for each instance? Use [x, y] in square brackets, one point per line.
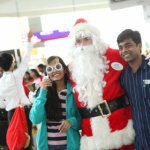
[32, 96]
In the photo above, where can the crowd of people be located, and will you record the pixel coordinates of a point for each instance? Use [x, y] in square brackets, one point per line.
[99, 101]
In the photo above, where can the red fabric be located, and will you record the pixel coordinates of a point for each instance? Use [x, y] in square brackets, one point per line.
[127, 147]
[114, 89]
[118, 119]
[80, 20]
[41, 78]
[26, 90]
[15, 136]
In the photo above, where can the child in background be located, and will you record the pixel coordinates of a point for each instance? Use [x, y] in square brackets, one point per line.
[26, 79]
[37, 78]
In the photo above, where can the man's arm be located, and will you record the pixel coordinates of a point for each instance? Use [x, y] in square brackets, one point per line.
[26, 58]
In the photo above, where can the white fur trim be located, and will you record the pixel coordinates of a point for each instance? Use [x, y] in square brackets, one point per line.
[103, 139]
[84, 26]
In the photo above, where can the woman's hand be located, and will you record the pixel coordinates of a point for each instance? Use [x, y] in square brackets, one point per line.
[45, 83]
[65, 125]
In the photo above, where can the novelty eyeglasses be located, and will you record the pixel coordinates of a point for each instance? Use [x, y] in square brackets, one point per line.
[57, 67]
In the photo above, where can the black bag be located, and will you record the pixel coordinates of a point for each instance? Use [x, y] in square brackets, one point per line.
[3, 114]
[3, 131]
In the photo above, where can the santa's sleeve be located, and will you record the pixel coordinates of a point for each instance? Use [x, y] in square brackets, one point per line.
[114, 54]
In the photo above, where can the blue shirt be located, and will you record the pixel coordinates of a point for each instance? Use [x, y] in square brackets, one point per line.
[137, 87]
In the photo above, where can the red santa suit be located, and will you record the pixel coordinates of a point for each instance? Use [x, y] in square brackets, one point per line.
[115, 131]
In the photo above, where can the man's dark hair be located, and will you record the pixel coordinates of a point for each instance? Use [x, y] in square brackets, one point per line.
[128, 33]
[5, 61]
[41, 66]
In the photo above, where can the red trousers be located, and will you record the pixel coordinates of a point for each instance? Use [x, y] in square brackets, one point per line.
[129, 147]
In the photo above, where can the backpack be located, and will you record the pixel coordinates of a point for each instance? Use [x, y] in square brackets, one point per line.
[16, 137]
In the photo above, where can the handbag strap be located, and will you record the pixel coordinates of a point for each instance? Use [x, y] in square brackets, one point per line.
[17, 90]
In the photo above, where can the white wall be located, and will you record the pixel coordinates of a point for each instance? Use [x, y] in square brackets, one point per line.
[110, 23]
[9, 33]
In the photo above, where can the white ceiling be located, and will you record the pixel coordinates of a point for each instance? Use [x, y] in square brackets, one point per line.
[30, 8]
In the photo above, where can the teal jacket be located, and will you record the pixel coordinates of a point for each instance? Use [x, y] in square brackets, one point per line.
[38, 115]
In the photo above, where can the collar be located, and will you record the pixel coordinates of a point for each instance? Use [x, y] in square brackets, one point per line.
[8, 72]
[69, 87]
[64, 90]
[143, 65]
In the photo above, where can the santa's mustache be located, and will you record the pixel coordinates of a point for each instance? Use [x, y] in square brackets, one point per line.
[84, 49]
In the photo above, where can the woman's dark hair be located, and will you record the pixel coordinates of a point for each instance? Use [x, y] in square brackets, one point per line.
[5, 61]
[30, 78]
[128, 33]
[52, 105]
[36, 72]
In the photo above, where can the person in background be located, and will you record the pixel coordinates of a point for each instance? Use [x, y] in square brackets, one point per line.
[2, 104]
[41, 69]
[27, 79]
[12, 91]
[37, 78]
[58, 115]
[135, 79]
[94, 73]
[1, 72]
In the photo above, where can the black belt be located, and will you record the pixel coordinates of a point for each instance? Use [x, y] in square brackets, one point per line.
[105, 108]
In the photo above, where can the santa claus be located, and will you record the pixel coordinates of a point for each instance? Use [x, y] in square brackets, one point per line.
[103, 105]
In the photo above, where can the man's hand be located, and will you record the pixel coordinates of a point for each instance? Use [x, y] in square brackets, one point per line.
[65, 125]
[27, 140]
[30, 34]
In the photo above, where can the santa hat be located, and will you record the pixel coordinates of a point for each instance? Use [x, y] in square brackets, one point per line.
[80, 25]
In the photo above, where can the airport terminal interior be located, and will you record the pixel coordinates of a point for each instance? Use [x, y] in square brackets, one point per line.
[52, 20]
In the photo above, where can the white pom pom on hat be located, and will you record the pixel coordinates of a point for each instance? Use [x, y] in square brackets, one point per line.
[81, 24]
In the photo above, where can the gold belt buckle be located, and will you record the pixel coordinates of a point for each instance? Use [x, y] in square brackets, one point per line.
[101, 111]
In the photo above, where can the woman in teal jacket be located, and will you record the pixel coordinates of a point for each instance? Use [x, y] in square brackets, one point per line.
[55, 109]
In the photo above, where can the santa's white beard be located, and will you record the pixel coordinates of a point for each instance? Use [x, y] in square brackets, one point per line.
[88, 70]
